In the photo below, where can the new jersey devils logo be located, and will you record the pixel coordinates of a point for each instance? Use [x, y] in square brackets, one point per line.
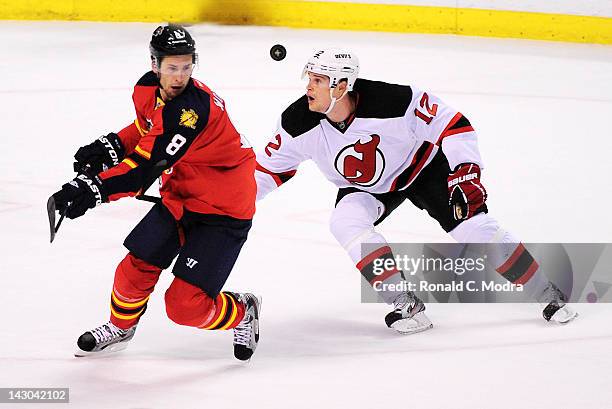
[361, 163]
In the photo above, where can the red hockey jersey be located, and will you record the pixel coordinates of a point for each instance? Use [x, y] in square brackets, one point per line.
[208, 166]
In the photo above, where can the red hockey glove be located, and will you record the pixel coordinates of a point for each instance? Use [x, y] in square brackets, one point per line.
[465, 191]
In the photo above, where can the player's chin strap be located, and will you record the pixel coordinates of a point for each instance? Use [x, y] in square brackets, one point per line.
[332, 104]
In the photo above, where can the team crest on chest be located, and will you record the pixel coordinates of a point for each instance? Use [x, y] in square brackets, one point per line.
[188, 118]
[361, 163]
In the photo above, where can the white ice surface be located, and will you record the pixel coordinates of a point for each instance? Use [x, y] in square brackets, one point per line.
[543, 114]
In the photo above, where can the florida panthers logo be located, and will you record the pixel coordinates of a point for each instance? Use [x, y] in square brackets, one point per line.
[361, 163]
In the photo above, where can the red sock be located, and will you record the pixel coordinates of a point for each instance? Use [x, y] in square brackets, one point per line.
[187, 304]
[134, 282]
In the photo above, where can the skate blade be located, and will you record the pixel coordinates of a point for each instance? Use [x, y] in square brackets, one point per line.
[418, 323]
[120, 346]
[257, 314]
[564, 315]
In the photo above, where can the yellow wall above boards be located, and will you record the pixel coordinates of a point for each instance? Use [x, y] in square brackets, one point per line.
[324, 15]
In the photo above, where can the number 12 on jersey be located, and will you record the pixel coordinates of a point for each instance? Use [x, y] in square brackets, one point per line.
[432, 110]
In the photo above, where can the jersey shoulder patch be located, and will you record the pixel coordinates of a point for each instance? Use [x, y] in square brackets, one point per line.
[188, 113]
[381, 100]
[148, 80]
[297, 119]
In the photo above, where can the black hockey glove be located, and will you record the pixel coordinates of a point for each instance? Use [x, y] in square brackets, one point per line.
[100, 155]
[79, 195]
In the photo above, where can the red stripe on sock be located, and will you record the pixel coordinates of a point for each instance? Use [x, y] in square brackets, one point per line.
[510, 262]
[373, 256]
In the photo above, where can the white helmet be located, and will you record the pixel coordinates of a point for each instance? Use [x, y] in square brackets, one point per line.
[336, 64]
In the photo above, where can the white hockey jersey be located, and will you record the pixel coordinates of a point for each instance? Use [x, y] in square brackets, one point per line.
[393, 134]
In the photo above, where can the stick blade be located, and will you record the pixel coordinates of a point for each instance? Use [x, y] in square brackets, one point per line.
[51, 215]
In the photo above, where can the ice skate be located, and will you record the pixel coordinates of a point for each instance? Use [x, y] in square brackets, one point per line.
[556, 309]
[246, 333]
[104, 339]
[408, 315]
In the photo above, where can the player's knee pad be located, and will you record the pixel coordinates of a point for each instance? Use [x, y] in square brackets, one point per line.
[135, 276]
[480, 228]
[187, 304]
[353, 217]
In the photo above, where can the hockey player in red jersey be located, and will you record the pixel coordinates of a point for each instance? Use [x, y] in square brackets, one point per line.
[381, 144]
[207, 201]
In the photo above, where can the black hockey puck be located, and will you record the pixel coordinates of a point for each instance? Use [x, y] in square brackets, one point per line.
[278, 52]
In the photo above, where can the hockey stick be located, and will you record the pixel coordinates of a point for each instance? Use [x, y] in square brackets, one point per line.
[51, 208]
[151, 199]
[53, 228]
[156, 172]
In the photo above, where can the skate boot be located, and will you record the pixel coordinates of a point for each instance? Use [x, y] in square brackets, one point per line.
[246, 333]
[103, 339]
[556, 308]
[408, 315]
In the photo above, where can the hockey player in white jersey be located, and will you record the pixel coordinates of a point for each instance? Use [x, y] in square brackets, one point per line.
[381, 144]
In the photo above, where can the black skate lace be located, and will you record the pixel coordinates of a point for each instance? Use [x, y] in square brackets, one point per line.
[242, 332]
[105, 333]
